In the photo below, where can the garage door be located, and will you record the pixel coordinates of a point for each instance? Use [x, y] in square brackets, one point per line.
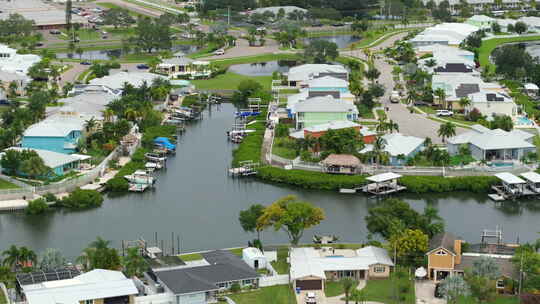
[309, 284]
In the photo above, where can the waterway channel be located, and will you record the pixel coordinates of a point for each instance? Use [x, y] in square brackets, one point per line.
[196, 199]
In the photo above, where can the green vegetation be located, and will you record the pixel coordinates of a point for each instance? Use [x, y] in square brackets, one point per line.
[4, 184]
[2, 297]
[281, 265]
[254, 59]
[230, 81]
[499, 299]
[335, 288]
[81, 199]
[489, 45]
[310, 179]
[386, 291]
[423, 184]
[374, 35]
[284, 147]
[250, 148]
[280, 294]
[112, 5]
[37, 206]
[190, 257]
[236, 251]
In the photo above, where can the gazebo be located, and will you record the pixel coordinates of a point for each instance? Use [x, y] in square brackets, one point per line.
[341, 164]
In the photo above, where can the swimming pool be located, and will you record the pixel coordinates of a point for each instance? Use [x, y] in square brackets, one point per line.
[500, 164]
[335, 256]
[524, 121]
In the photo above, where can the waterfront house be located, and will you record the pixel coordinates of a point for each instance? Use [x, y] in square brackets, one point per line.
[451, 34]
[68, 286]
[324, 109]
[118, 80]
[440, 51]
[83, 106]
[531, 90]
[12, 62]
[447, 256]
[328, 84]
[298, 76]
[481, 21]
[461, 85]
[317, 131]
[60, 163]
[399, 147]
[306, 94]
[199, 283]
[181, 66]
[59, 133]
[492, 145]
[311, 267]
[491, 103]
[341, 164]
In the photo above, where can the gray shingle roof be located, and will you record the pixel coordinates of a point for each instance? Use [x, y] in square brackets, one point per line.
[506, 268]
[444, 240]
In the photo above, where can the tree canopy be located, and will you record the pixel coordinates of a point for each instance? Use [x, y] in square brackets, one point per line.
[321, 51]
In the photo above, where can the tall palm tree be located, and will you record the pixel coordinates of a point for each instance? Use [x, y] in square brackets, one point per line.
[100, 243]
[11, 256]
[90, 124]
[378, 149]
[347, 284]
[431, 62]
[447, 130]
[27, 257]
[108, 115]
[441, 94]
[392, 126]
[464, 102]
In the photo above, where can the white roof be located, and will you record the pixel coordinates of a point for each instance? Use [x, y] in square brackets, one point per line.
[275, 9]
[383, 177]
[325, 104]
[487, 139]
[483, 95]
[328, 81]
[90, 103]
[308, 261]
[50, 158]
[252, 252]
[450, 33]
[531, 21]
[450, 82]
[55, 126]
[39, 11]
[295, 98]
[531, 176]
[397, 143]
[531, 86]
[509, 178]
[306, 72]
[481, 18]
[440, 48]
[16, 62]
[96, 284]
[116, 81]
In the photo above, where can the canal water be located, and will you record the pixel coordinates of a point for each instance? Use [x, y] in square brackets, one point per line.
[116, 53]
[196, 200]
[262, 68]
[342, 41]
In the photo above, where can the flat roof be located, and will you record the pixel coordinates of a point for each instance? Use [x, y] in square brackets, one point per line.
[509, 178]
[531, 176]
[383, 177]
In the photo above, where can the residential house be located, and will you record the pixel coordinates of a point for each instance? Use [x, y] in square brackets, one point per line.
[481, 21]
[531, 90]
[399, 147]
[341, 164]
[451, 34]
[90, 104]
[306, 93]
[311, 267]
[317, 131]
[6, 78]
[461, 85]
[489, 145]
[320, 110]
[116, 81]
[328, 83]
[95, 286]
[60, 163]
[275, 9]
[439, 51]
[199, 283]
[479, 6]
[447, 60]
[58, 133]
[12, 62]
[254, 257]
[181, 66]
[447, 256]
[453, 68]
[491, 103]
[298, 76]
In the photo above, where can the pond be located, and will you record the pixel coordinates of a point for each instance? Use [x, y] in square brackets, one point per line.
[116, 53]
[533, 48]
[342, 41]
[262, 68]
[196, 200]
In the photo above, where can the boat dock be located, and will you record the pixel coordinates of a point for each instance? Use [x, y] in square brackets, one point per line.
[246, 168]
[513, 187]
[381, 184]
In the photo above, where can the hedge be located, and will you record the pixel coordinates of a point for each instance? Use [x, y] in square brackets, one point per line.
[310, 179]
[118, 183]
[423, 184]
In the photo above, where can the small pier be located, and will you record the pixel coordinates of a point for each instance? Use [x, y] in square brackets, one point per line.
[381, 184]
[513, 187]
[246, 168]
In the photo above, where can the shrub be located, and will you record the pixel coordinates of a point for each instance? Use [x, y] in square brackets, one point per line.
[310, 179]
[117, 184]
[49, 197]
[82, 199]
[250, 148]
[37, 206]
[423, 184]
[235, 287]
[156, 131]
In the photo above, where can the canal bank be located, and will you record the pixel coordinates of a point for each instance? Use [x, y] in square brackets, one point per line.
[196, 200]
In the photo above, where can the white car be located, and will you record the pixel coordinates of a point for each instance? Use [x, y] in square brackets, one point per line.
[311, 298]
[444, 113]
[219, 52]
[394, 98]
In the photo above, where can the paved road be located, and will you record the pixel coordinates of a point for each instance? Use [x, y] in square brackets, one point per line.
[134, 7]
[243, 49]
[409, 124]
[71, 74]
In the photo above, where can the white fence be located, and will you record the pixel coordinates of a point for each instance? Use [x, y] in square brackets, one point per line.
[160, 298]
[280, 279]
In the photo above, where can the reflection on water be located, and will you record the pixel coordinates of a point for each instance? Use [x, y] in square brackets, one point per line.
[262, 68]
[342, 41]
[116, 53]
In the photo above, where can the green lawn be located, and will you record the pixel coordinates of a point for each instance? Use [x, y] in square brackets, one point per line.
[2, 297]
[280, 294]
[281, 265]
[489, 45]
[498, 300]
[112, 5]
[230, 81]
[4, 184]
[427, 109]
[191, 257]
[373, 36]
[381, 113]
[236, 251]
[282, 147]
[335, 288]
[385, 291]
[254, 59]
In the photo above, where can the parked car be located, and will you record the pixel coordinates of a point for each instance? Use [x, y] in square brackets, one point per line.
[85, 63]
[54, 32]
[438, 293]
[394, 98]
[311, 298]
[142, 66]
[338, 24]
[219, 52]
[444, 113]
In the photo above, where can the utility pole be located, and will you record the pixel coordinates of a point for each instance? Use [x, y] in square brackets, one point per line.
[520, 274]
[228, 15]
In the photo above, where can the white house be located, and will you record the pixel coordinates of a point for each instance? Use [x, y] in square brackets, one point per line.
[399, 147]
[323, 109]
[493, 103]
[445, 33]
[117, 81]
[461, 85]
[486, 144]
[254, 258]
[298, 76]
[481, 5]
[311, 268]
[180, 65]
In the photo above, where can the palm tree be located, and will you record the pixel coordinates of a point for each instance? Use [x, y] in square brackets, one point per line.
[464, 102]
[392, 126]
[347, 284]
[133, 263]
[411, 96]
[27, 257]
[90, 124]
[431, 62]
[382, 125]
[372, 74]
[447, 130]
[441, 94]
[357, 296]
[378, 149]
[11, 257]
[100, 243]
[108, 115]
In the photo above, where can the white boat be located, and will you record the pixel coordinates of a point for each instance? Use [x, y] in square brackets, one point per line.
[155, 157]
[153, 166]
[140, 177]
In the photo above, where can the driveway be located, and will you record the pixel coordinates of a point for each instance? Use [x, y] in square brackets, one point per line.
[242, 49]
[319, 295]
[409, 124]
[72, 74]
[425, 293]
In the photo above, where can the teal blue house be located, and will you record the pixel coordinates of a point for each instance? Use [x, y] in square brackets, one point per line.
[60, 163]
[328, 84]
[58, 134]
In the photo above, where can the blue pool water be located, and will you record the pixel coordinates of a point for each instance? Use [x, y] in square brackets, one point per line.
[334, 256]
[501, 164]
[524, 121]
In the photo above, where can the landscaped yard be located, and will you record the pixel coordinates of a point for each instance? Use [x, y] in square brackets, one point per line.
[279, 294]
[390, 292]
[281, 265]
[191, 257]
[230, 81]
[4, 184]
[335, 288]
[427, 109]
[283, 147]
[254, 59]
[236, 251]
[498, 300]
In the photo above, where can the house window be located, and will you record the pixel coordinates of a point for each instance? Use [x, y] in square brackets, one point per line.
[441, 252]
[89, 302]
[500, 283]
[246, 282]
[379, 269]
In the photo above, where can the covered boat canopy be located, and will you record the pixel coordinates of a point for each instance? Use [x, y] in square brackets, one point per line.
[531, 176]
[509, 178]
[383, 177]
